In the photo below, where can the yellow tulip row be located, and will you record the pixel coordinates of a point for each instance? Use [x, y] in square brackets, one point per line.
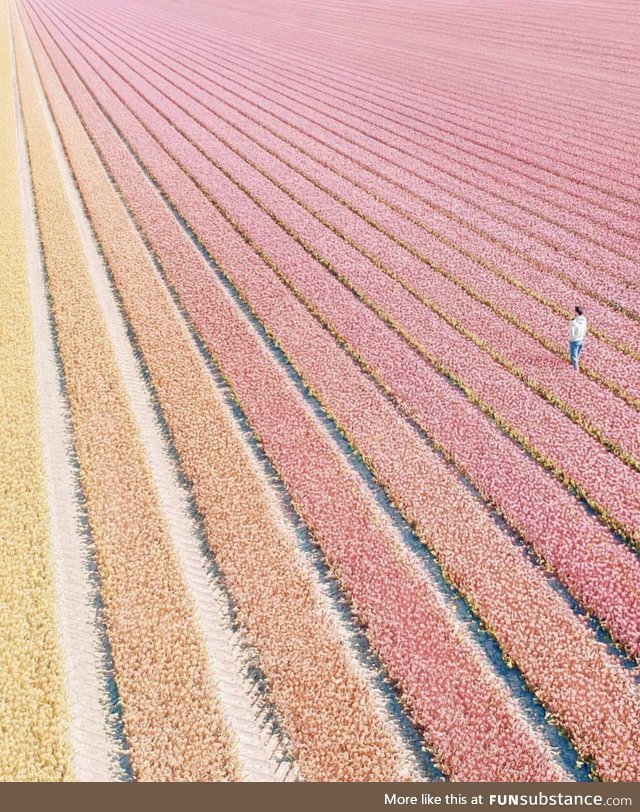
[34, 740]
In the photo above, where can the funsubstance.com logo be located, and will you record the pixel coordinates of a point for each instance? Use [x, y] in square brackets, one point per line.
[559, 799]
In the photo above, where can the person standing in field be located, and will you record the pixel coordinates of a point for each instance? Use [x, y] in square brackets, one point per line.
[577, 335]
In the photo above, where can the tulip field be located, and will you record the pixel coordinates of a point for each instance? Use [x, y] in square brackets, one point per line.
[297, 482]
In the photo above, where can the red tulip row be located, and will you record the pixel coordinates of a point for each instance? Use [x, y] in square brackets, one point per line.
[508, 591]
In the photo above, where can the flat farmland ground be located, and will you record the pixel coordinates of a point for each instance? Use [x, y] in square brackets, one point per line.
[297, 480]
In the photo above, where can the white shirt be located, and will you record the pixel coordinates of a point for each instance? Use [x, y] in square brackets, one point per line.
[578, 328]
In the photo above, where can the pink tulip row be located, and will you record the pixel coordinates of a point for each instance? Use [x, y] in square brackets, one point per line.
[511, 168]
[528, 249]
[274, 66]
[528, 34]
[330, 87]
[335, 112]
[627, 634]
[467, 73]
[421, 158]
[452, 82]
[629, 298]
[239, 34]
[533, 34]
[441, 672]
[603, 410]
[626, 242]
[610, 485]
[290, 144]
[457, 117]
[532, 404]
[503, 128]
[547, 93]
[286, 66]
[517, 146]
[399, 91]
[497, 578]
[450, 233]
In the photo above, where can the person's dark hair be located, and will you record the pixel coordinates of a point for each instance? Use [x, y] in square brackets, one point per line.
[579, 311]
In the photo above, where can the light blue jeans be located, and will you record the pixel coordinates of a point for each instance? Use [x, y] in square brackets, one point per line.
[575, 348]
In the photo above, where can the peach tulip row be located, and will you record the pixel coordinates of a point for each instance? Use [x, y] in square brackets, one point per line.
[172, 718]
